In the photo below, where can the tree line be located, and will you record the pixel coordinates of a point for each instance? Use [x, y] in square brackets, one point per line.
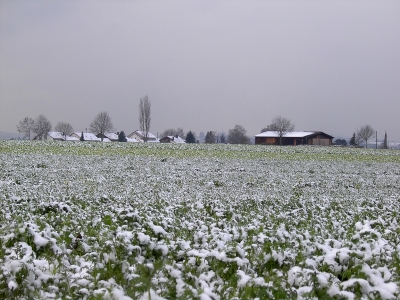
[363, 134]
[102, 124]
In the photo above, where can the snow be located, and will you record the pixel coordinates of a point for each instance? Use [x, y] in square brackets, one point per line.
[243, 278]
[176, 139]
[87, 136]
[59, 136]
[39, 241]
[12, 285]
[139, 136]
[131, 227]
[293, 134]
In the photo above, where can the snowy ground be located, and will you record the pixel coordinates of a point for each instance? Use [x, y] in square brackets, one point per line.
[119, 221]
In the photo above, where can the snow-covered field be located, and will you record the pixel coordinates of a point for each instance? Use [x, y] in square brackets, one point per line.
[121, 221]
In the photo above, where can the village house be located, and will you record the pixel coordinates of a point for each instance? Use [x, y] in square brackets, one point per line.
[58, 136]
[172, 139]
[113, 137]
[87, 136]
[140, 136]
[294, 138]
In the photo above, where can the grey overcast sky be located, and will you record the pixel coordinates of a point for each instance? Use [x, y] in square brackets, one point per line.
[205, 65]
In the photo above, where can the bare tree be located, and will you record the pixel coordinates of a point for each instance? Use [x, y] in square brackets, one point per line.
[144, 116]
[281, 126]
[25, 127]
[101, 124]
[268, 128]
[365, 133]
[64, 128]
[41, 127]
[168, 132]
[238, 135]
[210, 137]
[174, 132]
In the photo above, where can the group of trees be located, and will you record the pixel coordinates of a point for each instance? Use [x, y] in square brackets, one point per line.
[40, 127]
[340, 142]
[173, 132]
[364, 133]
[236, 135]
[102, 124]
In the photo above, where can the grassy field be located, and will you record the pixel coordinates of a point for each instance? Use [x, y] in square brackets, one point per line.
[134, 221]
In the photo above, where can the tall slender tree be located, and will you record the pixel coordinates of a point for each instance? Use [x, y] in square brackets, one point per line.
[353, 140]
[144, 116]
[222, 138]
[385, 142]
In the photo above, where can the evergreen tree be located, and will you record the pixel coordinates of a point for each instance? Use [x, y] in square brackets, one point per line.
[190, 138]
[385, 143]
[82, 138]
[353, 140]
[122, 137]
[222, 138]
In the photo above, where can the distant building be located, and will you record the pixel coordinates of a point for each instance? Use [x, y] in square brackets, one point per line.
[90, 137]
[294, 138]
[202, 137]
[172, 139]
[58, 136]
[140, 137]
[113, 137]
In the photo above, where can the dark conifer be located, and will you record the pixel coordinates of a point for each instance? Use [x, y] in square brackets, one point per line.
[190, 138]
[353, 140]
[122, 137]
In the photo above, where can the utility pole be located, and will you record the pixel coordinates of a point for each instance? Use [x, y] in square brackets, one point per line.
[376, 139]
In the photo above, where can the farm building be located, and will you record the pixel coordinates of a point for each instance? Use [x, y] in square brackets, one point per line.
[294, 138]
[140, 136]
[172, 139]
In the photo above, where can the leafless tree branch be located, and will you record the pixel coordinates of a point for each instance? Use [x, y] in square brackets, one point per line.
[144, 116]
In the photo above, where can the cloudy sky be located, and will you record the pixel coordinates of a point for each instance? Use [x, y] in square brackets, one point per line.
[205, 65]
